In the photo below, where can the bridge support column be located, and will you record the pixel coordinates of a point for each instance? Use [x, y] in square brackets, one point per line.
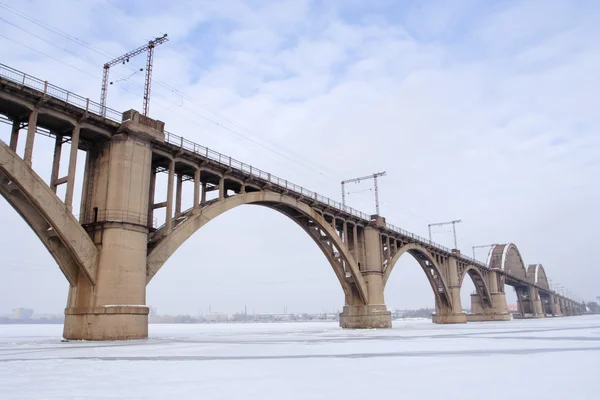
[14, 135]
[375, 313]
[115, 307]
[538, 308]
[499, 309]
[554, 306]
[450, 314]
[31, 130]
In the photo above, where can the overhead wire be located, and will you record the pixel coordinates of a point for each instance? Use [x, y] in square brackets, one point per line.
[183, 95]
[172, 90]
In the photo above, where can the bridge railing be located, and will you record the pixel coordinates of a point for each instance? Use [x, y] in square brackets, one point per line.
[49, 89]
[230, 162]
[95, 108]
[416, 237]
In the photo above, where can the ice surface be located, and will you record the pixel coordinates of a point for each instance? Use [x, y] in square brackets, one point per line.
[553, 358]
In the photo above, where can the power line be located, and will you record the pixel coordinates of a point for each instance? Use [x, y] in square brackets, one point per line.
[183, 95]
[67, 36]
[46, 55]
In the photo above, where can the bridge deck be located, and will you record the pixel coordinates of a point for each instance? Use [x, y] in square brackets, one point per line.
[15, 81]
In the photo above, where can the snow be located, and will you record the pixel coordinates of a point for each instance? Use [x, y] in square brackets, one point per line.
[553, 358]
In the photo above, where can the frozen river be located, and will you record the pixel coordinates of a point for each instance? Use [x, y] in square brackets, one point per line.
[554, 358]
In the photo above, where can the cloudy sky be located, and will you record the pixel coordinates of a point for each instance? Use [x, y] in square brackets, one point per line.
[480, 111]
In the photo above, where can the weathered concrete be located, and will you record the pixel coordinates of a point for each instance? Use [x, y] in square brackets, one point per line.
[115, 249]
[119, 184]
[47, 215]
[497, 312]
[366, 317]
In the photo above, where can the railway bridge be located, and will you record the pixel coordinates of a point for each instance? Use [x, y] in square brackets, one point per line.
[113, 248]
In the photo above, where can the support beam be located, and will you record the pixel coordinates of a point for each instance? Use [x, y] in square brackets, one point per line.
[222, 188]
[196, 188]
[56, 163]
[31, 130]
[72, 168]
[203, 198]
[178, 195]
[14, 135]
[152, 191]
[169, 216]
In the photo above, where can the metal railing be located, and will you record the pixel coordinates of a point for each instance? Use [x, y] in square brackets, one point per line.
[92, 107]
[49, 89]
[232, 163]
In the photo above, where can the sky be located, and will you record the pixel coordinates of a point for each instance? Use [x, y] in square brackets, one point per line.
[479, 111]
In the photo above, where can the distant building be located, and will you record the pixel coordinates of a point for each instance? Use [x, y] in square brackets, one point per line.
[153, 311]
[513, 308]
[23, 313]
[216, 317]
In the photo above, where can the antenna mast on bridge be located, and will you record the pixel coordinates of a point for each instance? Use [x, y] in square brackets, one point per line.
[480, 246]
[125, 58]
[456, 221]
[374, 177]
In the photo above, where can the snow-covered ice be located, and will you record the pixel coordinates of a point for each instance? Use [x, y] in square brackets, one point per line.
[553, 358]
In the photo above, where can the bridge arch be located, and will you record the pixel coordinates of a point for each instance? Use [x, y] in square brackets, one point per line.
[507, 258]
[479, 282]
[429, 265]
[537, 274]
[59, 231]
[162, 246]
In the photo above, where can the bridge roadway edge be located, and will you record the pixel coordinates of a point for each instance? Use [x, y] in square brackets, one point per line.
[373, 314]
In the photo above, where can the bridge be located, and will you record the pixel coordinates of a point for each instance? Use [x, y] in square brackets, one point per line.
[113, 248]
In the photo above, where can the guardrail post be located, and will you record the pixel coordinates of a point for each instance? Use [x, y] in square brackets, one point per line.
[24, 76]
[229, 162]
[45, 87]
[87, 105]
[181, 145]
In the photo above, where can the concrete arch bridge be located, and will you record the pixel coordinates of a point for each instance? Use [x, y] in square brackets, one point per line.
[113, 249]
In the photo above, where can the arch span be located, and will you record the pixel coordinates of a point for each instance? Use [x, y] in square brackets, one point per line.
[162, 246]
[432, 270]
[537, 275]
[480, 283]
[67, 242]
[506, 257]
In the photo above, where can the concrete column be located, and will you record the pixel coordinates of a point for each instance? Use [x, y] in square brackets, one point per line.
[31, 129]
[388, 254]
[498, 311]
[178, 195]
[345, 232]
[222, 188]
[151, 192]
[454, 314]
[374, 263]
[493, 282]
[169, 216]
[56, 163]
[203, 199]
[355, 242]
[84, 206]
[361, 249]
[115, 308]
[14, 135]
[375, 313]
[72, 168]
[196, 188]
[534, 297]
